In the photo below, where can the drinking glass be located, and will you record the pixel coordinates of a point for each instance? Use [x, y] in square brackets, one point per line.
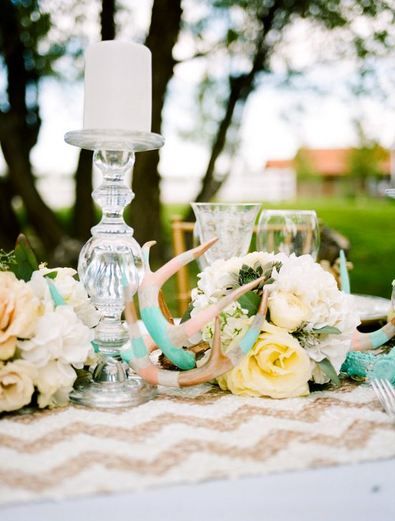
[233, 224]
[289, 231]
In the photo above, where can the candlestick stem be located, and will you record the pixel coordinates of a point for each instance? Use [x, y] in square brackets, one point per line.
[110, 261]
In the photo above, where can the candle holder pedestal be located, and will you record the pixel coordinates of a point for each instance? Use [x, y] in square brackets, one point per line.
[109, 262]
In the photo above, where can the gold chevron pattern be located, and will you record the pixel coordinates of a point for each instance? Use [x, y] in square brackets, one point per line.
[181, 438]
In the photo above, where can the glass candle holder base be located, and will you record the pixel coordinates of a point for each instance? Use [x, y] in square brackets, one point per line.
[111, 385]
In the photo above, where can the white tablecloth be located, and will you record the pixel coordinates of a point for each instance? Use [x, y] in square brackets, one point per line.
[361, 492]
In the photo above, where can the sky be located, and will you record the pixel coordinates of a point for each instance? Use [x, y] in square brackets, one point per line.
[271, 126]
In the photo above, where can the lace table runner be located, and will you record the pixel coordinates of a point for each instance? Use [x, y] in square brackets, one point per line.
[186, 438]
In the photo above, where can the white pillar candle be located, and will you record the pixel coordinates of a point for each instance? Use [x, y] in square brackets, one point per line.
[117, 87]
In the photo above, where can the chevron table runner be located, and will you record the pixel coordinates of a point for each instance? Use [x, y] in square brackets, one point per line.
[186, 438]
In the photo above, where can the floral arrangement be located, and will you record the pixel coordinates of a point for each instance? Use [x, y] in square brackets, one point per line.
[308, 329]
[46, 323]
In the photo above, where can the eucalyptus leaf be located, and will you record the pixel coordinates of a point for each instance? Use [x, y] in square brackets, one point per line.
[250, 301]
[329, 370]
[327, 330]
[26, 260]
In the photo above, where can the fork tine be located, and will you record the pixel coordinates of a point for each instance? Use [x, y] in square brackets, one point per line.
[377, 386]
[390, 394]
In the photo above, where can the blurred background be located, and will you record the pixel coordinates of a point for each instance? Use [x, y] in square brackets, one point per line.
[290, 103]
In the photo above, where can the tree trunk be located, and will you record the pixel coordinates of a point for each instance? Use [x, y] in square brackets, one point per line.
[144, 212]
[10, 228]
[16, 155]
[240, 88]
[107, 19]
[84, 210]
[17, 135]
[210, 185]
[84, 216]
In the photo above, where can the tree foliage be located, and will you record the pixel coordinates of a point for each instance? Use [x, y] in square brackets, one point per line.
[239, 46]
[243, 42]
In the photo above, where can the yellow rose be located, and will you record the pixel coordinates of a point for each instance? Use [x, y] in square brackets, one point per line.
[287, 310]
[19, 310]
[16, 384]
[277, 366]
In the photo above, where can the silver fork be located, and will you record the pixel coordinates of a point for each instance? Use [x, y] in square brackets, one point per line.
[386, 394]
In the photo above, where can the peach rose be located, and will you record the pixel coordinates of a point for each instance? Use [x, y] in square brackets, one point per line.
[19, 310]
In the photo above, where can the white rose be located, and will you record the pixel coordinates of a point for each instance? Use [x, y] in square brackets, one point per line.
[16, 384]
[54, 383]
[288, 310]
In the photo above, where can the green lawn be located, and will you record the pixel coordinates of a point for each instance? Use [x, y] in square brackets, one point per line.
[368, 223]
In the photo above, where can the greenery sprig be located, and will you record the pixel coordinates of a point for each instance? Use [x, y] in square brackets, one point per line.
[7, 260]
[251, 300]
[248, 273]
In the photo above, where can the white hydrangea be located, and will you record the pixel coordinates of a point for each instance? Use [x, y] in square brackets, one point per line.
[72, 291]
[59, 335]
[61, 344]
[336, 347]
[306, 279]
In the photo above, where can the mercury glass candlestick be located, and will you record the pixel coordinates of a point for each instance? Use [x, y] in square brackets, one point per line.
[110, 261]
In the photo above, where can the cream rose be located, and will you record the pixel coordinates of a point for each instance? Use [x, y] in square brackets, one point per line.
[19, 311]
[16, 384]
[277, 366]
[287, 310]
[54, 383]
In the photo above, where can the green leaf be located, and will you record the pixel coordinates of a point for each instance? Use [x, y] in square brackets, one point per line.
[329, 370]
[51, 275]
[327, 330]
[250, 301]
[26, 261]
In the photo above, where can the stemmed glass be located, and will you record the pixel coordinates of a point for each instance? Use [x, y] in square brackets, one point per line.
[233, 224]
[289, 231]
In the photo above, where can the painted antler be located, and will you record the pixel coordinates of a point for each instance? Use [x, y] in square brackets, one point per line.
[375, 339]
[170, 338]
[138, 354]
[364, 341]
